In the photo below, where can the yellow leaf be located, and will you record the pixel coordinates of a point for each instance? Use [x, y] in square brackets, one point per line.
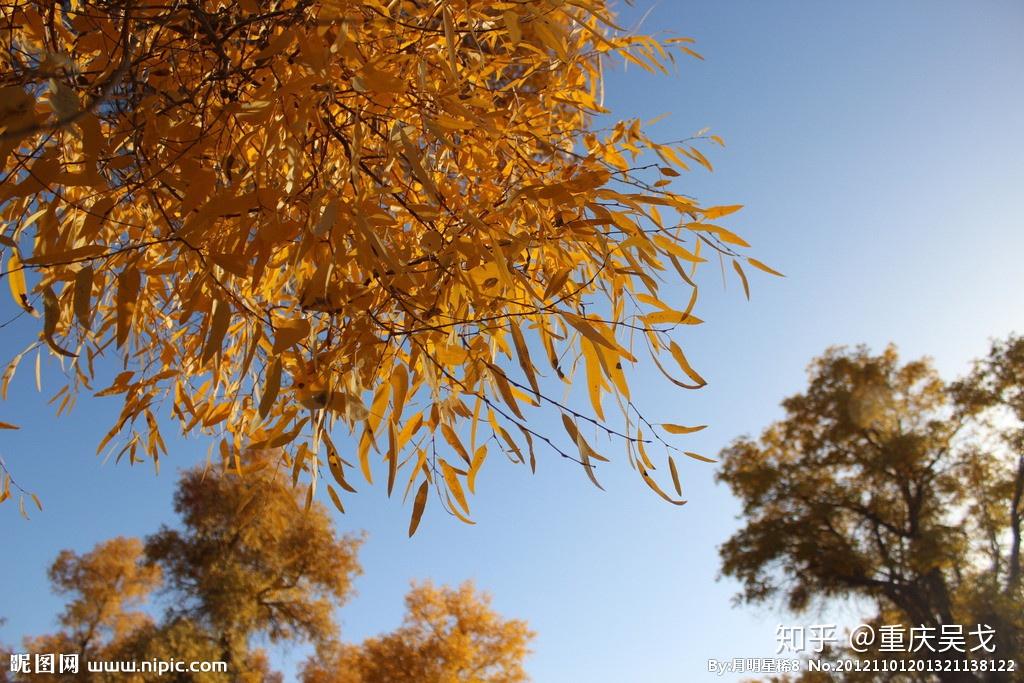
[698, 456]
[713, 212]
[271, 388]
[584, 449]
[676, 249]
[657, 489]
[556, 283]
[670, 318]
[451, 123]
[418, 505]
[694, 153]
[642, 450]
[589, 331]
[399, 390]
[218, 328]
[451, 354]
[51, 316]
[128, 284]
[675, 476]
[431, 242]
[392, 456]
[453, 439]
[16, 281]
[364, 455]
[524, 357]
[449, 37]
[595, 380]
[743, 277]
[289, 333]
[70, 255]
[761, 266]
[83, 296]
[691, 52]
[505, 389]
[335, 499]
[680, 429]
[378, 407]
[677, 353]
[335, 465]
[451, 478]
[474, 467]
[515, 31]
[723, 234]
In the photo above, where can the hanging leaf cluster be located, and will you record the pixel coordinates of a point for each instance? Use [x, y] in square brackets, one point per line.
[297, 219]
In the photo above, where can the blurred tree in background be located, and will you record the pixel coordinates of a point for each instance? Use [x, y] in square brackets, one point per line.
[885, 483]
[251, 563]
[250, 559]
[102, 585]
[448, 636]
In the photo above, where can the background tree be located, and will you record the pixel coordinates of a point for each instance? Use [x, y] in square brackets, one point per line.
[249, 561]
[448, 635]
[182, 639]
[886, 483]
[285, 217]
[993, 394]
[102, 585]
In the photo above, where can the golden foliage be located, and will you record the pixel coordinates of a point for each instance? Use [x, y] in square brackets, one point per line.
[886, 483]
[104, 582]
[251, 558]
[449, 634]
[249, 564]
[289, 217]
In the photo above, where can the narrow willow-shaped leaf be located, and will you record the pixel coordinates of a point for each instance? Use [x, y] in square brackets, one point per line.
[83, 297]
[16, 282]
[451, 478]
[418, 505]
[271, 388]
[680, 429]
[675, 476]
[335, 498]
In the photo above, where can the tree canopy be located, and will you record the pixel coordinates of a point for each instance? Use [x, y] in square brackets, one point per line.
[448, 636]
[285, 218]
[102, 586]
[251, 559]
[250, 564]
[887, 483]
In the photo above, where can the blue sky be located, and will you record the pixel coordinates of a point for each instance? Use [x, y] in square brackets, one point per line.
[879, 151]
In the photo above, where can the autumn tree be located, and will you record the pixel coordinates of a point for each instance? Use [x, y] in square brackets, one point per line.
[448, 636]
[103, 586]
[886, 483]
[993, 394]
[293, 219]
[250, 560]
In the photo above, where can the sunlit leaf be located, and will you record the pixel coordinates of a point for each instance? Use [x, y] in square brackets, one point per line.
[680, 429]
[418, 505]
